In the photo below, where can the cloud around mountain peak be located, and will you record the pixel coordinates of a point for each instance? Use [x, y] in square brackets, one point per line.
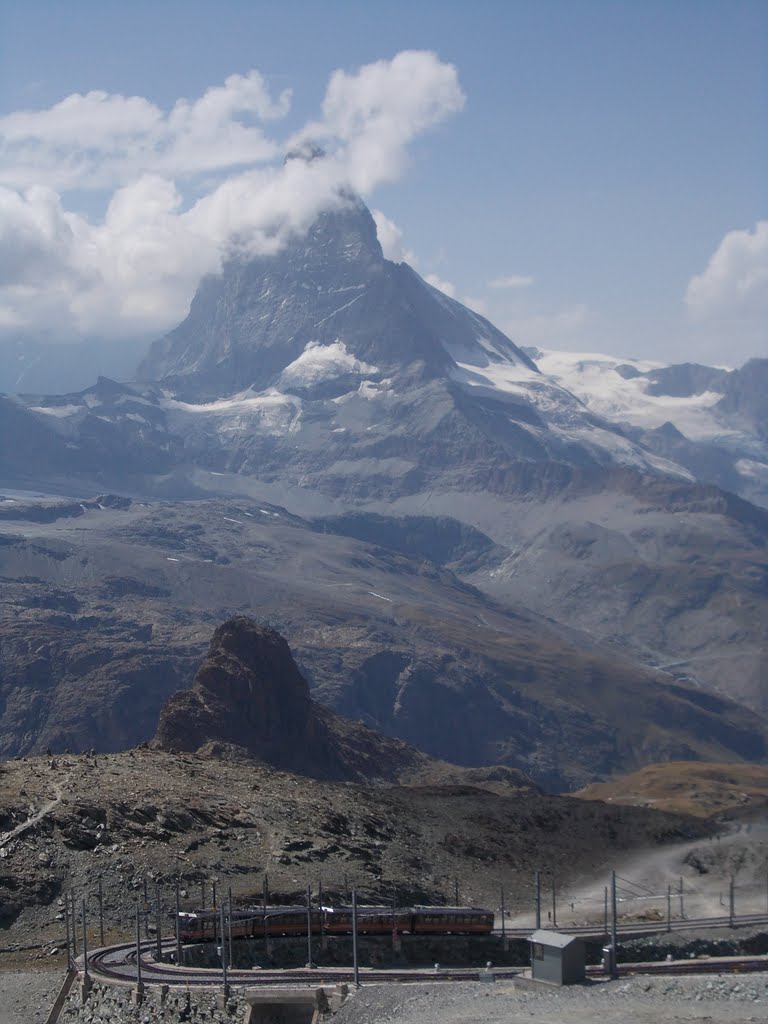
[183, 184]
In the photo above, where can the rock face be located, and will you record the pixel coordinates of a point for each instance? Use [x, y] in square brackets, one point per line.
[249, 693]
[247, 325]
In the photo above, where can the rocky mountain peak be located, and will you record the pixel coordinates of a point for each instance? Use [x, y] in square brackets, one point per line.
[330, 289]
[249, 693]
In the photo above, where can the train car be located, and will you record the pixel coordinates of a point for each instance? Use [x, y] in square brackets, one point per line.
[452, 921]
[289, 921]
[370, 920]
[254, 922]
[199, 926]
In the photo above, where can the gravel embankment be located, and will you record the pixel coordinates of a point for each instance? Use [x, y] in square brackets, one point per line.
[718, 999]
[26, 997]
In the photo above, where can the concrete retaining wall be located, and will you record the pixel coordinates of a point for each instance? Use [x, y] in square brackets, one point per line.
[373, 951]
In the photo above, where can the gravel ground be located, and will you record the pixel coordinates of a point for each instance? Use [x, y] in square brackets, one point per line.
[26, 997]
[715, 998]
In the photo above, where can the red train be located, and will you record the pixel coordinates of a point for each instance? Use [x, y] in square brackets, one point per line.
[253, 922]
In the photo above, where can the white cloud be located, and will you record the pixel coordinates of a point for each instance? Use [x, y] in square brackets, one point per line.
[444, 286]
[735, 282]
[370, 117]
[728, 302]
[99, 140]
[391, 239]
[512, 281]
[136, 269]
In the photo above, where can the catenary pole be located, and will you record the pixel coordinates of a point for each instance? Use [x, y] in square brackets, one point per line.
[223, 947]
[178, 927]
[731, 901]
[101, 912]
[669, 908]
[85, 942]
[503, 915]
[537, 898]
[614, 915]
[229, 931]
[69, 941]
[158, 925]
[309, 926]
[554, 903]
[74, 924]
[138, 946]
[355, 969]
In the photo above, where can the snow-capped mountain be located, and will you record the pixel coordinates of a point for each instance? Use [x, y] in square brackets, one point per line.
[713, 421]
[331, 381]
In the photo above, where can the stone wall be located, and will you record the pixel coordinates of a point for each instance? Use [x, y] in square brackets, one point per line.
[118, 1004]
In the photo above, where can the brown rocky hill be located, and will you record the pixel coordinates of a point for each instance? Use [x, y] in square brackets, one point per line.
[149, 814]
[699, 788]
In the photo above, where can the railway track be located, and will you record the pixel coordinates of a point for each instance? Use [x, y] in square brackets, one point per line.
[118, 963]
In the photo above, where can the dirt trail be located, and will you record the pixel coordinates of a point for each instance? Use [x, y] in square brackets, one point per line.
[43, 812]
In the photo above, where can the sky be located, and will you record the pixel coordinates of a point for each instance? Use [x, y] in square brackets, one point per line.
[592, 175]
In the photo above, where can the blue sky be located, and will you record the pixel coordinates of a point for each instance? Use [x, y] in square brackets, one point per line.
[610, 162]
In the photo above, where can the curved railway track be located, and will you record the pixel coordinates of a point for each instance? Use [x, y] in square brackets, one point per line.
[118, 963]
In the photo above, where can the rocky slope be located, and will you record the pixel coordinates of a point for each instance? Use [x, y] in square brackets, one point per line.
[107, 612]
[147, 814]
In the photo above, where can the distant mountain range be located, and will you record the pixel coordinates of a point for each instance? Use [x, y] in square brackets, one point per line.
[330, 384]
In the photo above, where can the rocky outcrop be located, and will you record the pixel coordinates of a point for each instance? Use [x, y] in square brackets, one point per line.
[249, 694]
[249, 698]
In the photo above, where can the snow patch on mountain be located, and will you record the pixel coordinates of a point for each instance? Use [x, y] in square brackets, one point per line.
[323, 362]
[270, 411]
[595, 379]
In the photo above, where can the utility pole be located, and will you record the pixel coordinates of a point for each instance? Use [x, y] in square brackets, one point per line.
[214, 894]
[178, 927]
[101, 913]
[503, 915]
[614, 939]
[202, 894]
[346, 887]
[355, 970]
[605, 909]
[682, 912]
[309, 926]
[537, 898]
[456, 892]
